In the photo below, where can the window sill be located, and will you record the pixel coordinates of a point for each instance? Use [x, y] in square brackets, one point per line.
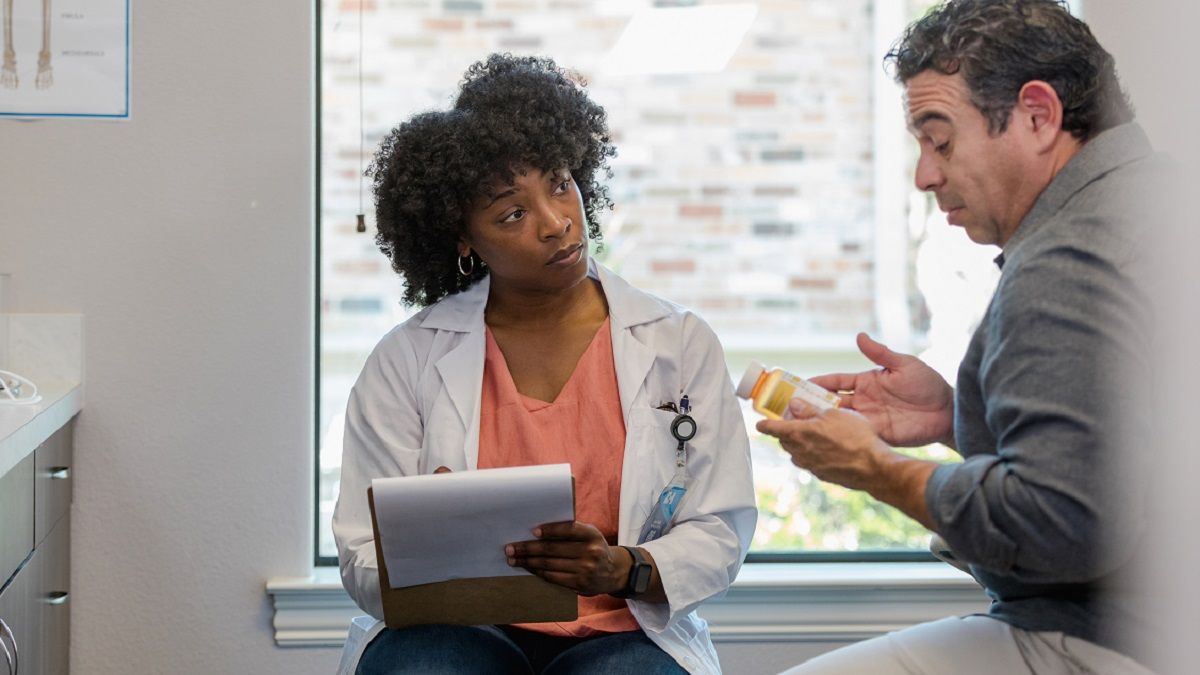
[770, 602]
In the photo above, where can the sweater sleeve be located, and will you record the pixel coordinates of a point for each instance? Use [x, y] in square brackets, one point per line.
[1045, 419]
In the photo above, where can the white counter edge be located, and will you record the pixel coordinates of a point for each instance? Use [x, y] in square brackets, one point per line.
[24, 427]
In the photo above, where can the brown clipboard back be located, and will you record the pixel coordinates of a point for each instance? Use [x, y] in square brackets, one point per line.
[471, 602]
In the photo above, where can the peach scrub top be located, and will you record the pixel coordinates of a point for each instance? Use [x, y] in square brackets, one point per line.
[583, 427]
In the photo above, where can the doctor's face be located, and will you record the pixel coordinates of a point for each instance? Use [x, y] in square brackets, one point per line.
[531, 234]
[980, 180]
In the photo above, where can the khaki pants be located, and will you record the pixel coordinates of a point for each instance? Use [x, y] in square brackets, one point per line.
[973, 644]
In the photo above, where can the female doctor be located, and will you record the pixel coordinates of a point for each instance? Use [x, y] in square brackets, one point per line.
[529, 352]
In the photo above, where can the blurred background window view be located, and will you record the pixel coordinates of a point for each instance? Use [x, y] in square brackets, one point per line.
[763, 179]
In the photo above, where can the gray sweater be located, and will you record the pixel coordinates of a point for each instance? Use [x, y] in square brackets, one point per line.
[1050, 413]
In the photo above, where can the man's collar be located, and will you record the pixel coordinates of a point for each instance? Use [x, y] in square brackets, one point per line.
[1105, 152]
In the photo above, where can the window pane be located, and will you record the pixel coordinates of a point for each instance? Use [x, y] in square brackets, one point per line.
[770, 192]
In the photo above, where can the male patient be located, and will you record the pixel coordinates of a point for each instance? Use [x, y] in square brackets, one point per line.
[1027, 142]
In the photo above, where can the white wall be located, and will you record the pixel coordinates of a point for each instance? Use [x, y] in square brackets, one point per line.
[1154, 42]
[185, 237]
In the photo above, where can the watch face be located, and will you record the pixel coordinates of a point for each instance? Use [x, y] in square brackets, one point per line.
[641, 577]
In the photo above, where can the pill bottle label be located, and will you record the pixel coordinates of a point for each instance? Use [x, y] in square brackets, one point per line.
[778, 402]
[792, 386]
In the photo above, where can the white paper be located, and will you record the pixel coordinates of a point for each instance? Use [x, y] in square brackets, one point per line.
[456, 525]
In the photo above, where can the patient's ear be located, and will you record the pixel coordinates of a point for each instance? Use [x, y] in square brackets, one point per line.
[1039, 112]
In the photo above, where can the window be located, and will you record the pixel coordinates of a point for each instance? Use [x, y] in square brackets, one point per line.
[770, 192]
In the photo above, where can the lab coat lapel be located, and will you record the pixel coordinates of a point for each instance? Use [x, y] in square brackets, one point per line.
[633, 363]
[627, 308]
[461, 368]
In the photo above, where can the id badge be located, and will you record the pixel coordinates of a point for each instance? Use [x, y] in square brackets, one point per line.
[666, 507]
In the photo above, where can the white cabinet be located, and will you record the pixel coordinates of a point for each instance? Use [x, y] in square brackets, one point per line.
[35, 499]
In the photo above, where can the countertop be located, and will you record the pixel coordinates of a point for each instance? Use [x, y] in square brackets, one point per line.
[46, 349]
[24, 427]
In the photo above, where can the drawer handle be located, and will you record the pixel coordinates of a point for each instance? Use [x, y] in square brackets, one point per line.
[14, 666]
[60, 472]
[57, 598]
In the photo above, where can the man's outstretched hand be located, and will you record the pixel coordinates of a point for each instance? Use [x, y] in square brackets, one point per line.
[907, 402]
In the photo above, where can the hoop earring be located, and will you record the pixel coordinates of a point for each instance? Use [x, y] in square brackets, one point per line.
[470, 269]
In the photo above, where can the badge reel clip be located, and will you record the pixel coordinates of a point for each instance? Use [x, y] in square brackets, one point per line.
[666, 507]
[13, 390]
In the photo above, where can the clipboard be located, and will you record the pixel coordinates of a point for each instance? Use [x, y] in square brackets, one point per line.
[471, 602]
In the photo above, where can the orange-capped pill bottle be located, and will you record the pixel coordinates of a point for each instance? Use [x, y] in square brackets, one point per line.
[770, 390]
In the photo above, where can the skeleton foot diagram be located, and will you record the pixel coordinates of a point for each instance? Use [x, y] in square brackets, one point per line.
[8, 72]
[8, 75]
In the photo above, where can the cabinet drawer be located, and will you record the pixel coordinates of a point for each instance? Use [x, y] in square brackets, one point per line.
[53, 600]
[20, 614]
[54, 478]
[16, 517]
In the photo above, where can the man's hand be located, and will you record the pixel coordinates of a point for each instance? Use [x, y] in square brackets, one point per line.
[837, 446]
[841, 446]
[574, 555]
[905, 400]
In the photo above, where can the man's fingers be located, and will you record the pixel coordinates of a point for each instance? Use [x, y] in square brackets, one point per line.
[803, 413]
[442, 469]
[836, 382]
[801, 410]
[771, 427]
[879, 354]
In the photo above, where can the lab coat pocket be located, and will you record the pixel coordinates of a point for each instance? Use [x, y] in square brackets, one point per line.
[653, 454]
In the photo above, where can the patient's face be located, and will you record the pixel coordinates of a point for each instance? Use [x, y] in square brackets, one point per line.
[984, 181]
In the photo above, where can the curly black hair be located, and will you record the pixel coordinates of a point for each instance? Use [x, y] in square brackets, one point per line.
[511, 112]
[999, 45]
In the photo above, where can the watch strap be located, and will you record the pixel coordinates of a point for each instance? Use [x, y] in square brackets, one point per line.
[640, 569]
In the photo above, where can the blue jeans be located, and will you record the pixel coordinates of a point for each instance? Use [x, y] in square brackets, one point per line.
[504, 650]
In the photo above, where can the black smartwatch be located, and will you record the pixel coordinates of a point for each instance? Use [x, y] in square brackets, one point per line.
[639, 576]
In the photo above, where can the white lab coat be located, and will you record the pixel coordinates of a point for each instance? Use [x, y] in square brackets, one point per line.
[415, 407]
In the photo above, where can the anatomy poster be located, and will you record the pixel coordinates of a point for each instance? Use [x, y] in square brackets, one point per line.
[65, 58]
